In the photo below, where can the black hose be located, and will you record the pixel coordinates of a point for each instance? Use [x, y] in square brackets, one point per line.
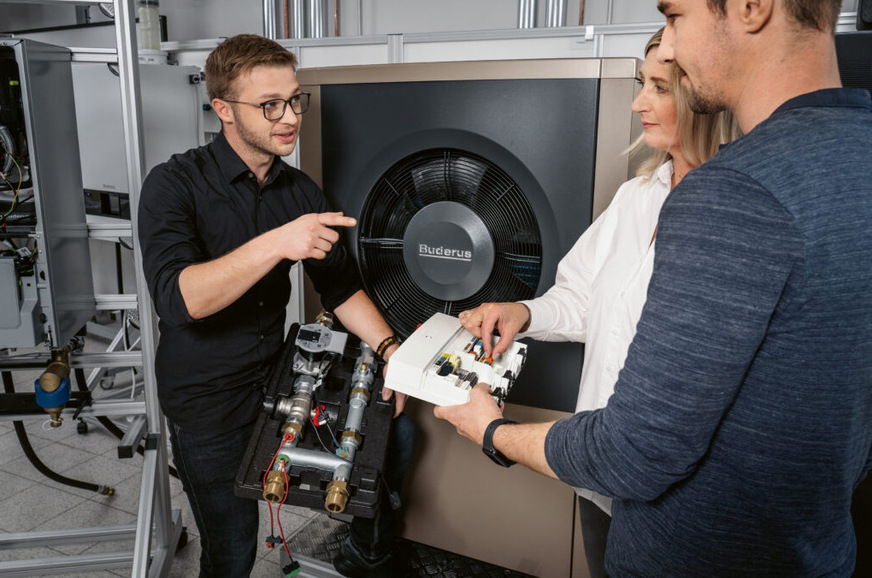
[81, 384]
[9, 387]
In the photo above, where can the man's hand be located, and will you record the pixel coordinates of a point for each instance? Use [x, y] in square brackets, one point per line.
[472, 418]
[310, 236]
[388, 392]
[401, 399]
[509, 318]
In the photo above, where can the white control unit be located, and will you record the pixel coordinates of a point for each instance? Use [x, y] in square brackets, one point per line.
[441, 361]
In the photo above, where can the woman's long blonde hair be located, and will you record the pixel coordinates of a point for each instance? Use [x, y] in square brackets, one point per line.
[700, 135]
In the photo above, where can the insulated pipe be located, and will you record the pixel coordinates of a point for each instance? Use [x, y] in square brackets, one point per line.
[555, 13]
[526, 13]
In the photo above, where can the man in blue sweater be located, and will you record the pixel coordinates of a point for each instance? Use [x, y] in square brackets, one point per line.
[742, 420]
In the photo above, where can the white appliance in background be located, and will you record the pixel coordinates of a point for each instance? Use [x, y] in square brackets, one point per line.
[172, 122]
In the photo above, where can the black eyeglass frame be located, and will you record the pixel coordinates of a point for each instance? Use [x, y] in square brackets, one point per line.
[304, 105]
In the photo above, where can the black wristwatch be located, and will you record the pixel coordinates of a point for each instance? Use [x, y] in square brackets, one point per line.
[487, 445]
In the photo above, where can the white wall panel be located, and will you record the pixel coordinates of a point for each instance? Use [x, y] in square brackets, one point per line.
[343, 55]
[560, 47]
[626, 44]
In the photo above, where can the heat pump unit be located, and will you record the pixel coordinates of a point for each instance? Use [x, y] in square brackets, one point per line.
[470, 181]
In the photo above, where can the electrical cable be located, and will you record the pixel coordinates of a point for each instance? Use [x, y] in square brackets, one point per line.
[293, 568]
[21, 433]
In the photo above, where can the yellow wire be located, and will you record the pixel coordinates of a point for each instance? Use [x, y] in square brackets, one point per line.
[12, 208]
[18, 188]
[17, 166]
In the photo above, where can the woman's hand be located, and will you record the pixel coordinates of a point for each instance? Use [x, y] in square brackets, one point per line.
[507, 318]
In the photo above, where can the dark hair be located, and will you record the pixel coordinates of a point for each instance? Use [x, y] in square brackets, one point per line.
[236, 56]
[821, 15]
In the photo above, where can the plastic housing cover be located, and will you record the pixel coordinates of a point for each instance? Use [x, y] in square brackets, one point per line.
[414, 368]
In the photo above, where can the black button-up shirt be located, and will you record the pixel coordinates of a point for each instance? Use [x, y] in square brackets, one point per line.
[196, 207]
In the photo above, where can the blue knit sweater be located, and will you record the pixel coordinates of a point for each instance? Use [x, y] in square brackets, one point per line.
[742, 420]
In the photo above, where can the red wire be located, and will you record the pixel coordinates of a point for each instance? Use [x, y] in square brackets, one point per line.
[287, 437]
[278, 511]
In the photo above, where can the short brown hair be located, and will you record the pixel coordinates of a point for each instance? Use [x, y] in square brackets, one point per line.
[821, 15]
[236, 56]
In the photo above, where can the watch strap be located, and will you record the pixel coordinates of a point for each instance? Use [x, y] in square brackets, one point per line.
[487, 445]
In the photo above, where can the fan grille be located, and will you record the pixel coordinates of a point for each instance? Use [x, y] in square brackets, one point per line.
[433, 176]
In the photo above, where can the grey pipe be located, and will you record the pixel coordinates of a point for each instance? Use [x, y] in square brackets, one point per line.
[299, 19]
[311, 459]
[555, 13]
[269, 19]
[361, 379]
[526, 13]
[316, 19]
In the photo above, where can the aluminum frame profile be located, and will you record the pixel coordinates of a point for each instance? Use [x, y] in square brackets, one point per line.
[158, 529]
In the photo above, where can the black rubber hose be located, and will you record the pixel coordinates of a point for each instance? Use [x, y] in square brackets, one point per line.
[9, 387]
[108, 423]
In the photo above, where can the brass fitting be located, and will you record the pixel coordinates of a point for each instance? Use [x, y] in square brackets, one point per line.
[274, 489]
[361, 391]
[337, 496]
[352, 435]
[292, 426]
[50, 380]
[325, 318]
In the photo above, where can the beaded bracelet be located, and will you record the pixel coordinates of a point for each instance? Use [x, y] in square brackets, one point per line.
[386, 342]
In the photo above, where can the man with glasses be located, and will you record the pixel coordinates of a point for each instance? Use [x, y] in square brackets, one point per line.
[220, 228]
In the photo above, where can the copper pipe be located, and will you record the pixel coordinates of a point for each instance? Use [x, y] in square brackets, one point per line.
[287, 7]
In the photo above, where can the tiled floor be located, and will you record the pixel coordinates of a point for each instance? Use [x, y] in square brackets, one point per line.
[31, 502]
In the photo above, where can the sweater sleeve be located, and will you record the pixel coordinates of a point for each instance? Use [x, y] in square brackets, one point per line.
[725, 250]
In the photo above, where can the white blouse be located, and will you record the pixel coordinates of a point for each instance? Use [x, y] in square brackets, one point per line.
[601, 287]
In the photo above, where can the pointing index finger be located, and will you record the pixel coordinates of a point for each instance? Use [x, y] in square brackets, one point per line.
[336, 220]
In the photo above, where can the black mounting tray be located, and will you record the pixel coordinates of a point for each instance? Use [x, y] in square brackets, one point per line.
[307, 487]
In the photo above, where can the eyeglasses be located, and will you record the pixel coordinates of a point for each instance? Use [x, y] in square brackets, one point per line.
[275, 109]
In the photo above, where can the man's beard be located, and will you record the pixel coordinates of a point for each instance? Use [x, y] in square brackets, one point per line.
[701, 104]
[258, 141]
[253, 139]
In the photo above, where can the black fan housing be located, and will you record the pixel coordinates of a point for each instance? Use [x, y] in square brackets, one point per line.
[443, 230]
